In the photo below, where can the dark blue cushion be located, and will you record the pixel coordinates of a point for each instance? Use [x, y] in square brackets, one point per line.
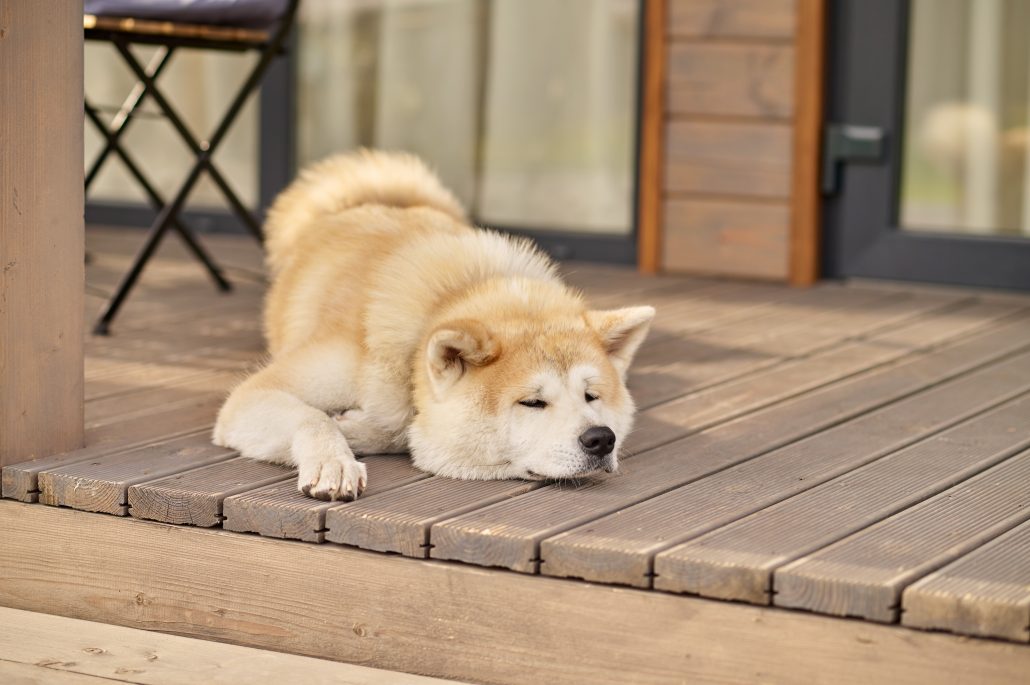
[248, 13]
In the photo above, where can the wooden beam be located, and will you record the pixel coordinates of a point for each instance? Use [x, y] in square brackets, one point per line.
[444, 619]
[652, 130]
[806, 226]
[41, 229]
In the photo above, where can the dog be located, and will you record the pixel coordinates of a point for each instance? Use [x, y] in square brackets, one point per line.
[393, 325]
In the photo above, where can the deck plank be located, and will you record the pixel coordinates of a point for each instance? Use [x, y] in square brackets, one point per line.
[701, 408]
[149, 398]
[195, 497]
[864, 574]
[620, 547]
[400, 520]
[985, 593]
[508, 534]
[20, 481]
[280, 510]
[737, 561]
[101, 484]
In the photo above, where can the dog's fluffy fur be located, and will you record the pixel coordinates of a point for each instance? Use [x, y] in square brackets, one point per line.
[394, 325]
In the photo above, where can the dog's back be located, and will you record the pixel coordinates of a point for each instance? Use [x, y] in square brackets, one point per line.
[347, 181]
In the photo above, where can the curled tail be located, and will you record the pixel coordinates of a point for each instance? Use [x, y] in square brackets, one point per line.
[351, 180]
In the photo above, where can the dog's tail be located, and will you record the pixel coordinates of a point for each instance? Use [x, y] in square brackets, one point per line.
[351, 180]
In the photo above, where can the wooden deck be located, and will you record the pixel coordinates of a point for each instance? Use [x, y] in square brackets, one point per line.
[856, 450]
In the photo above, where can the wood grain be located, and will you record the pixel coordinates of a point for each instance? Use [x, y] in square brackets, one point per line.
[724, 238]
[759, 19]
[59, 646]
[280, 510]
[985, 593]
[102, 483]
[746, 160]
[41, 229]
[731, 80]
[806, 200]
[652, 131]
[737, 561]
[448, 620]
[195, 497]
[864, 574]
[621, 547]
[400, 520]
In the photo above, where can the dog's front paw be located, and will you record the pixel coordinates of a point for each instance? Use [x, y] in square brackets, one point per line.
[333, 479]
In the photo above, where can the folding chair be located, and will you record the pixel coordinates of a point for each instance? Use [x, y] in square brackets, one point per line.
[230, 25]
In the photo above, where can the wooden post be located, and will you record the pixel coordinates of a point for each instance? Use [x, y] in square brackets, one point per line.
[652, 129]
[806, 224]
[41, 228]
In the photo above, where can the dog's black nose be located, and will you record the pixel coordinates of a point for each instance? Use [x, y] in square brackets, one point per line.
[598, 440]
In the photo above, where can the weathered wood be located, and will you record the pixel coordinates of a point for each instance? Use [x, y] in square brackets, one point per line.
[280, 510]
[41, 229]
[985, 593]
[195, 497]
[653, 91]
[154, 397]
[487, 626]
[737, 561]
[728, 158]
[102, 483]
[806, 200]
[710, 356]
[31, 674]
[765, 19]
[702, 408]
[59, 646]
[20, 480]
[726, 238]
[622, 547]
[399, 520]
[864, 574]
[716, 356]
[509, 533]
[731, 79]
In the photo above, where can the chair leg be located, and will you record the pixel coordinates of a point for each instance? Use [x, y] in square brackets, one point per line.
[158, 202]
[114, 131]
[198, 148]
[114, 304]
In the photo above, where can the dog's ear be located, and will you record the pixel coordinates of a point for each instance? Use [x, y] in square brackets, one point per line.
[622, 331]
[456, 346]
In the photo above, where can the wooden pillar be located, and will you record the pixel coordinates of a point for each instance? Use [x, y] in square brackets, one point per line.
[41, 228]
[652, 129]
[806, 223]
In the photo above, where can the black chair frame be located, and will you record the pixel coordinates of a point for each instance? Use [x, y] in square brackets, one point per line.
[168, 212]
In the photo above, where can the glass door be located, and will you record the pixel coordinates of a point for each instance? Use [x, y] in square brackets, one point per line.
[928, 141]
[526, 108]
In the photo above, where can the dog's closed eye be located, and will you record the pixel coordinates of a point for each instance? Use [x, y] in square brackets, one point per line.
[533, 404]
[590, 397]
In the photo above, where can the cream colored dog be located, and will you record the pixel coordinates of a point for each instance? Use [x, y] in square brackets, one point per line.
[394, 325]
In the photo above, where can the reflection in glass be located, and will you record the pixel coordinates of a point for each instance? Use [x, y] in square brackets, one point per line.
[526, 107]
[199, 85]
[967, 143]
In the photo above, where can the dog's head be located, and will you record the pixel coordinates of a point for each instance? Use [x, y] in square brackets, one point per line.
[526, 394]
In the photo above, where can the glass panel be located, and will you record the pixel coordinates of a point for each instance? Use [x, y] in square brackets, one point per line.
[967, 143]
[199, 85]
[527, 108]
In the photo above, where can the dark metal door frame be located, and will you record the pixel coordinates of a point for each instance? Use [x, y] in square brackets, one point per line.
[868, 41]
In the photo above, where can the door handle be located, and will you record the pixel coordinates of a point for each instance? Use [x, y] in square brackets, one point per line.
[849, 143]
